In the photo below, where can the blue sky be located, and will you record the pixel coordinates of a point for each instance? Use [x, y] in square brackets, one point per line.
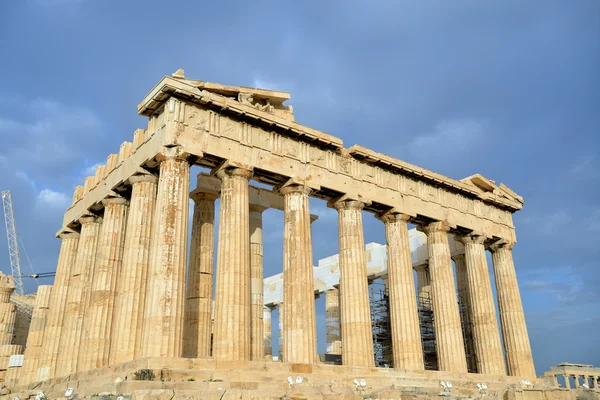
[508, 89]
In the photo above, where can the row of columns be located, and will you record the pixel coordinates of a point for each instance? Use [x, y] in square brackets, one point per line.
[591, 380]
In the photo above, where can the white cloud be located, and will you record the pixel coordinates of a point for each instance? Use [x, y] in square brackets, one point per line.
[48, 198]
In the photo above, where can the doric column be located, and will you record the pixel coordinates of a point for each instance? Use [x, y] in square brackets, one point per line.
[514, 330]
[486, 337]
[567, 382]
[198, 302]
[35, 339]
[299, 327]
[576, 379]
[8, 313]
[231, 339]
[78, 295]
[462, 284]
[58, 304]
[423, 285]
[406, 334]
[357, 336]
[109, 259]
[256, 283]
[267, 332]
[165, 290]
[448, 332]
[280, 355]
[131, 288]
[332, 315]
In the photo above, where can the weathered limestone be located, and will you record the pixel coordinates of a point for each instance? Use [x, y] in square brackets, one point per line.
[128, 318]
[198, 302]
[462, 283]
[448, 332]
[486, 337]
[58, 301]
[423, 284]
[332, 314]
[8, 311]
[78, 293]
[231, 338]
[268, 334]
[514, 330]
[256, 282]
[357, 337]
[109, 258]
[406, 334]
[165, 296]
[36, 334]
[299, 329]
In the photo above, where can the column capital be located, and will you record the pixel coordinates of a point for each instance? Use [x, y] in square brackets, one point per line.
[143, 178]
[175, 153]
[421, 267]
[389, 218]
[458, 257]
[257, 208]
[68, 235]
[295, 188]
[198, 195]
[501, 245]
[436, 226]
[87, 219]
[348, 205]
[231, 172]
[472, 239]
[114, 200]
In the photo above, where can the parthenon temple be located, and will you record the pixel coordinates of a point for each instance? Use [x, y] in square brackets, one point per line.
[132, 300]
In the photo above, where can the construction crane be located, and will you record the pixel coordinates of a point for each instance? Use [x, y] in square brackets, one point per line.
[13, 244]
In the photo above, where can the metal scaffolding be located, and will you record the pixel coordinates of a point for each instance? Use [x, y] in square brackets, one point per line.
[380, 321]
[425, 309]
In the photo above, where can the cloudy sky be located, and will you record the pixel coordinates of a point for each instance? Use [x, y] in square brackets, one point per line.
[508, 89]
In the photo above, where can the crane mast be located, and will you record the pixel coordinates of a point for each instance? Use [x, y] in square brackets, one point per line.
[13, 245]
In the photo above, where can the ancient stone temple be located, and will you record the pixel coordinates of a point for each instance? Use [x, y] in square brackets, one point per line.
[131, 309]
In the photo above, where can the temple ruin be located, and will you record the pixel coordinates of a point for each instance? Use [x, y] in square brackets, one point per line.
[131, 309]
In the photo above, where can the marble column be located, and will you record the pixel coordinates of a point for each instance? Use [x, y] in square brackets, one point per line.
[267, 332]
[486, 337]
[448, 331]
[165, 290]
[198, 302]
[332, 315]
[256, 282]
[357, 336]
[78, 296]
[299, 326]
[231, 339]
[576, 380]
[8, 315]
[404, 317]
[131, 289]
[514, 330]
[109, 260]
[567, 382]
[58, 302]
[462, 284]
[35, 339]
[280, 355]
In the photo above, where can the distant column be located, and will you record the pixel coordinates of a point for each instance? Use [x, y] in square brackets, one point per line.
[131, 293]
[35, 339]
[280, 355]
[109, 259]
[567, 382]
[231, 339]
[58, 302]
[299, 330]
[78, 295]
[514, 330]
[406, 334]
[462, 284]
[448, 332]
[165, 296]
[422, 278]
[356, 329]
[268, 349]
[486, 337]
[198, 303]
[332, 314]
[576, 379]
[256, 283]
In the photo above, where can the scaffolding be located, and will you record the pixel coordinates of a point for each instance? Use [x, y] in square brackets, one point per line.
[425, 309]
[467, 331]
[380, 321]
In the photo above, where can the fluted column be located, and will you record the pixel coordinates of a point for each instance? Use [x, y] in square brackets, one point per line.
[280, 355]
[231, 339]
[35, 338]
[165, 295]
[406, 334]
[109, 259]
[423, 285]
[486, 337]
[198, 302]
[78, 295]
[357, 336]
[131, 288]
[462, 284]
[332, 315]
[299, 326]
[8, 315]
[268, 334]
[448, 332]
[58, 303]
[514, 330]
[256, 283]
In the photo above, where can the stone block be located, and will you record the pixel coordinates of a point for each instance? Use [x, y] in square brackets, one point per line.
[302, 368]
